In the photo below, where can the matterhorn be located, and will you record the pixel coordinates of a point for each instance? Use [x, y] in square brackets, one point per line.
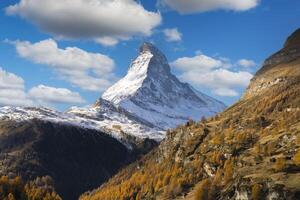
[151, 92]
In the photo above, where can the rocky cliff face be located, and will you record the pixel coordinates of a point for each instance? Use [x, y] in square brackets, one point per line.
[279, 68]
[250, 151]
[289, 52]
[148, 100]
[152, 93]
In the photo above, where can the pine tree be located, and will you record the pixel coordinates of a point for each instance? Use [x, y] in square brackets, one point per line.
[296, 158]
[202, 191]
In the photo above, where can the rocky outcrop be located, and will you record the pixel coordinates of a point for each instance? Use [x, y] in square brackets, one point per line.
[278, 69]
[289, 52]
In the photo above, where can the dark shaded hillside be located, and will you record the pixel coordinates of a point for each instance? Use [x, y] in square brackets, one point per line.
[250, 151]
[76, 159]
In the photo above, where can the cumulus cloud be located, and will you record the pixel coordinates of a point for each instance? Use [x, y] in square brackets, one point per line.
[89, 71]
[225, 92]
[12, 93]
[12, 90]
[197, 63]
[195, 6]
[218, 78]
[88, 19]
[107, 41]
[246, 63]
[10, 81]
[172, 35]
[50, 95]
[212, 73]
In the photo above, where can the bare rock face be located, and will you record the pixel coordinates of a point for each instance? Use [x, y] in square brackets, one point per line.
[289, 52]
[277, 69]
[148, 100]
[152, 93]
[293, 42]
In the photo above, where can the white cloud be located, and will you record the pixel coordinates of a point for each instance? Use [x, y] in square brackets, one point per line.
[12, 93]
[50, 95]
[195, 6]
[246, 63]
[10, 81]
[172, 35]
[198, 63]
[88, 19]
[12, 90]
[225, 92]
[107, 41]
[89, 71]
[218, 78]
[212, 73]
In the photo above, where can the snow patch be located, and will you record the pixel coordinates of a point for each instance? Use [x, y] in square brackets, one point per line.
[112, 123]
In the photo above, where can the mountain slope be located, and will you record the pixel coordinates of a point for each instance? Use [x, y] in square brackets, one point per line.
[280, 68]
[83, 147]
[104, 117]
[147, 101]
[250, 151]
[75, 158]
[118, 122]
[152, 93]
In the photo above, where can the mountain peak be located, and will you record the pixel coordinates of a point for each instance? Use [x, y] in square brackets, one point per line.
[151, 64]
[154, 94]
[278, 69]
[157, 55]
[289, 52]
[149, 47]
[293, 40]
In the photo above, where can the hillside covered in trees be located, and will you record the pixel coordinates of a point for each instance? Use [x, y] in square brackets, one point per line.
[39, 189]
[76, 159]
[250, 151]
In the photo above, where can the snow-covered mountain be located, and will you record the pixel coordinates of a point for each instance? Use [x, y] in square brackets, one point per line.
[105, 118]
[117, 121]
[146, 102]
[152, 93]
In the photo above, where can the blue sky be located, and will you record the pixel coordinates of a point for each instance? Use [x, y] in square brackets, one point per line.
[216, 48]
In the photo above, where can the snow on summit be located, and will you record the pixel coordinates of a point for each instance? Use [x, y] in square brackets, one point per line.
[143, 104]
[152, 93]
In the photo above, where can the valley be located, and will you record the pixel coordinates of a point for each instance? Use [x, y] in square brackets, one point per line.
[85, 146]
[249, 151]
[150, 100]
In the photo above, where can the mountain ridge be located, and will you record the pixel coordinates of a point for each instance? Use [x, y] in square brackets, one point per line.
[83, 147]
[249, 151]
[150, 90]
[144, 104]
[289, 52]
[275, 69]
